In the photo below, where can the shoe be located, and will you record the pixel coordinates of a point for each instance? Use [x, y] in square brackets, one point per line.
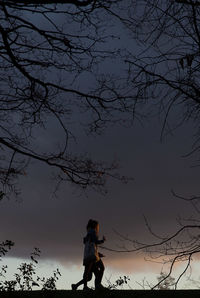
[87, 289]
[74, 287]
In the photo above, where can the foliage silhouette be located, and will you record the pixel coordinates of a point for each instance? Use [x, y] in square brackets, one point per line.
[26, 278]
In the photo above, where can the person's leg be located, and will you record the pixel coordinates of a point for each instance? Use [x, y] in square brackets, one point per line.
[75, 286]
[98, 271]
[87, 276]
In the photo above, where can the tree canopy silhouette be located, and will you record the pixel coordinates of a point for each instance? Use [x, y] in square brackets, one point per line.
[165, 74]
[166, 70]
[56, 60]
[46, 51]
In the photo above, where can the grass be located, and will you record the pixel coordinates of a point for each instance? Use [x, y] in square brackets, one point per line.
[100, 294]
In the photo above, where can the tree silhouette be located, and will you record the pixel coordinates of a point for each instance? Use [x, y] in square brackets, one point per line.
[165, 74]
[166, 71]
[47, 48]
[48, 51]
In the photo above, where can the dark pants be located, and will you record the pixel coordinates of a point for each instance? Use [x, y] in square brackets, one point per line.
[98, 269]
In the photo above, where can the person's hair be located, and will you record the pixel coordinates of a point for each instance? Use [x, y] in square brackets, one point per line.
[92, 224]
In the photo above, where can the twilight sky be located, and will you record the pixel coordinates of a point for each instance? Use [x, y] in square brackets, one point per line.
[56, 224]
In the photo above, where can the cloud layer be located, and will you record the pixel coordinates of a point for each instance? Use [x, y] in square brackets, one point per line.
[57, 225]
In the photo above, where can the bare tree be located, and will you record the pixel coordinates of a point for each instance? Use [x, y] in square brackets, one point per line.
[168, 249]
[50, 53]
[165, 73]
[51, 68]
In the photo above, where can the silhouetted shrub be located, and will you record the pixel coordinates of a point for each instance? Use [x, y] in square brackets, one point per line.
[25, 278]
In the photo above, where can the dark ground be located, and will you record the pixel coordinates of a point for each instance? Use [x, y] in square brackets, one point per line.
[100, 294]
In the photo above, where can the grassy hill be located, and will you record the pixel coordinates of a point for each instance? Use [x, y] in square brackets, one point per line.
[109, 294]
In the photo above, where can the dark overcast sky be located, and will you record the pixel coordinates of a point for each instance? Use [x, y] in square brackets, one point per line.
[57, 224]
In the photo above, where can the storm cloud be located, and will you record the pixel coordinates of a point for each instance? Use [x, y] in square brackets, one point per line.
[56, 224]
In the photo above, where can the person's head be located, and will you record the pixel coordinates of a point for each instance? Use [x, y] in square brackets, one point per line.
[93, 224]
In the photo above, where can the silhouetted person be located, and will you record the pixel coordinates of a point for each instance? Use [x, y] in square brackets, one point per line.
[92, 259]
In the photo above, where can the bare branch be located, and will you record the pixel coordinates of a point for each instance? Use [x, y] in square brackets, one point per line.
[44, 2]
